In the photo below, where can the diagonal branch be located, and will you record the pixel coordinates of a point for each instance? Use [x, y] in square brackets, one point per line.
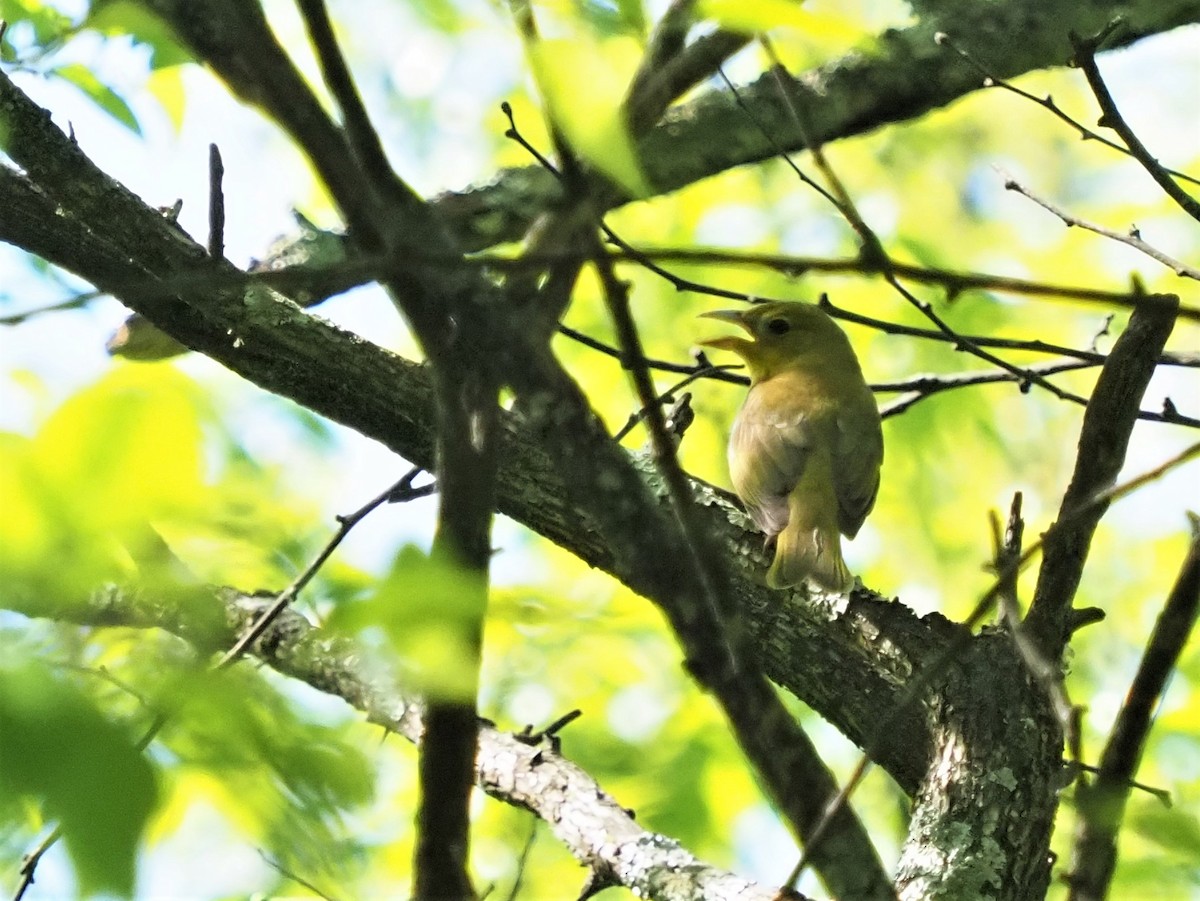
[1102, 803]
[1107, 424]
[1085, 58]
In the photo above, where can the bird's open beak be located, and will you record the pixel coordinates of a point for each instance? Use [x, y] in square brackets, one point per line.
[726, 342]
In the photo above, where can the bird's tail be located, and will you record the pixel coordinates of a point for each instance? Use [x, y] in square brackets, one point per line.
[805, 551]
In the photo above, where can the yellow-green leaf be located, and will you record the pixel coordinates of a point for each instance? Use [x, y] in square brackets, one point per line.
[101, 94]
[584, 82]
[86, 772]
[754, 16]
[429, 610]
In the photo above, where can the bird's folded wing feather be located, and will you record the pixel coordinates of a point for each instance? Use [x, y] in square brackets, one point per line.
[769, 449]
[857, 455]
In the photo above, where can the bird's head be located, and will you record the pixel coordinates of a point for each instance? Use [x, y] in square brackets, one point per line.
[782, 336]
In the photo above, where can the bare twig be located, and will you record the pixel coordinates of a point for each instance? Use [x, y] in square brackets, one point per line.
[29, 863]
[1085, 59]
[1133, 237]
[288, 874]
[667, 397]
[918, 388]
[780, 152]
[991, 80]
[523, 859]
[400, 491]
[1049, 676]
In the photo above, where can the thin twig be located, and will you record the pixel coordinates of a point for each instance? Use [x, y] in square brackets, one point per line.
[991, 80]
[288, 874]
[1133, 237]
[30, 861]
[666, 397]
[780, 152]
[1048, 675]
[366, 268]
[400, 491]
[523, 859]
[1085, 59]
[922, 387]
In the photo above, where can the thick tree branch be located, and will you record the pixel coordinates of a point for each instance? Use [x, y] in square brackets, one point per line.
[653, 558]
[996, 749]
[905, 76]
[854, 661]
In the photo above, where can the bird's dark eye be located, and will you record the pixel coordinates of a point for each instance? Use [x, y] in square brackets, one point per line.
[778, 326]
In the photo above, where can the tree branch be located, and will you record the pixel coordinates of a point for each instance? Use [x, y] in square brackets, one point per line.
[589, 822]
[1085, 57]
[1102, 803]
[1107, 424]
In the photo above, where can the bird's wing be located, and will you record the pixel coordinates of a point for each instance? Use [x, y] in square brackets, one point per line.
[857, 456]
[769, 449]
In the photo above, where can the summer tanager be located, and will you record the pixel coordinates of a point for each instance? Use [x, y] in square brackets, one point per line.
[806, 446]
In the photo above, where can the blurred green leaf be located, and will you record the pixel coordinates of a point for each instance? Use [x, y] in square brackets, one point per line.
[584, 83]
[427, 609]
[48, 24]
[115, 18]
[1173, 828]
[86, 772]
[755, 16]
[279, 779]
[88, 489]
[101, 94]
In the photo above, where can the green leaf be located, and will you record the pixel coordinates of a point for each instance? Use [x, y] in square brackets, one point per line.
[101, 94]
[49, 25]
[428, 609]
[583, 83]
[93, 487]
[755, 16]
[1171, 828]
[127, 448]
[278, 780]
[115, 18]
[85, 771]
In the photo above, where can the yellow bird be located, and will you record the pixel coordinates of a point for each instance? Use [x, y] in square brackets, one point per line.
[807, 444]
